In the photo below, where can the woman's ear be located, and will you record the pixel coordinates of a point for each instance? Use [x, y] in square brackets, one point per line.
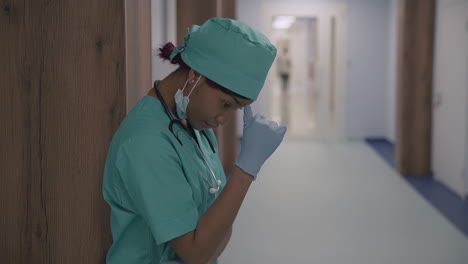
[193, 76]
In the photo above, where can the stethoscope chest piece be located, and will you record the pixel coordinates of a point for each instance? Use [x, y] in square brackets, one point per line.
[214, 190]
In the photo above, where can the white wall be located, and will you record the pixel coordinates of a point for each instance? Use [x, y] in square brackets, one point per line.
[392, 71]
[465, 182]
[449, 137]
[368, 38]
[368, 56]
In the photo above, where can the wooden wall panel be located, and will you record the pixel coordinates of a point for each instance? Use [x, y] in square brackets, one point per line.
[62, 97]
[15, 128]
[192, 12]
[228, 8]
[415, 60]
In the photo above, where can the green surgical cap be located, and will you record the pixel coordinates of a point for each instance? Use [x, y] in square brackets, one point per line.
[230, 53]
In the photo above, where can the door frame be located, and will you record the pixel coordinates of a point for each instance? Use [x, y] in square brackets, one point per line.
[465, 194]
[456, 179]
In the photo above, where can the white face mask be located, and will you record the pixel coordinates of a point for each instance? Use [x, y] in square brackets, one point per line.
[183, 101]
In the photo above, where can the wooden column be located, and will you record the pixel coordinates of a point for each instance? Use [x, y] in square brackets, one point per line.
[63, 96]
[138, 50]
[227, 8]
[193, 12]
[415, 60]
[228, 134]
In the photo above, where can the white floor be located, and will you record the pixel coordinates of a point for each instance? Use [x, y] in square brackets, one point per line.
[338, 204]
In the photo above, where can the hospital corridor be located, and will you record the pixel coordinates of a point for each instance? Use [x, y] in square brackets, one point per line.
[336, 204]
[131, 131]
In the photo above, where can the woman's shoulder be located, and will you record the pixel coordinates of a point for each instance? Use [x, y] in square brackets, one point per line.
[147, 115]
[146, 122]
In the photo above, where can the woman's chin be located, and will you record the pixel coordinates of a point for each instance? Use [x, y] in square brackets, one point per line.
[198, 125]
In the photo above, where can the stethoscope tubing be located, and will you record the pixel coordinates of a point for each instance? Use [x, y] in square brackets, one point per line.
[173, 121]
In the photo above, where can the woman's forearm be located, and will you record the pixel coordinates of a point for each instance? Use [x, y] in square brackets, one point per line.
[200, 245]
[222, 246]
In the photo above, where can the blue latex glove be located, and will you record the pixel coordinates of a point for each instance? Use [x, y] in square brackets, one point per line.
[261, 138]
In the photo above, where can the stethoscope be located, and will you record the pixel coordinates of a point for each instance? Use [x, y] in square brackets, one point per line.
[214, 189]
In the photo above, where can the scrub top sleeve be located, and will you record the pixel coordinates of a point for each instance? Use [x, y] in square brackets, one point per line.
[152, 175]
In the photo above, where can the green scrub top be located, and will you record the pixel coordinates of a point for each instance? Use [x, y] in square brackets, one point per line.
[154, 185]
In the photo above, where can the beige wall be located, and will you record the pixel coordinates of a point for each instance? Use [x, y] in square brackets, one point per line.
[138, 50]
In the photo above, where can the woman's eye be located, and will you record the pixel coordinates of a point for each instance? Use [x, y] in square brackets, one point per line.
[227, 105]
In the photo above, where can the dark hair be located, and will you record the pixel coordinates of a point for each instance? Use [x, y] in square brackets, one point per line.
[165, 53]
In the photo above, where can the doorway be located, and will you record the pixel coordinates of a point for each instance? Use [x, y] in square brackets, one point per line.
[306, 85]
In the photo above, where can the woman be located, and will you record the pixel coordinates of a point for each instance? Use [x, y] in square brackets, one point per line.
[169, 198]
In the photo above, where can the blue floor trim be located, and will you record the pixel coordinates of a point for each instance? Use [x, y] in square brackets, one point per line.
[442, 198]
